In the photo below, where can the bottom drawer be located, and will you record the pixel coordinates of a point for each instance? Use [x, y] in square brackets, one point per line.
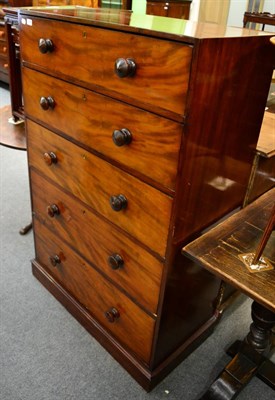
[131, 326]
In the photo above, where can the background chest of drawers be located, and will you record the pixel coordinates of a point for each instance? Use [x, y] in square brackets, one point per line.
[4, 76]
[172, 9]
[137, 141]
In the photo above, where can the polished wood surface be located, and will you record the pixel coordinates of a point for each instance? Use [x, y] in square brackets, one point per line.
[94, 187]
[91, 199]
[219, 249]
[216, 169]
[97, 295]
[141, 273]
[168, 86]
[11, 135]
[155, 140]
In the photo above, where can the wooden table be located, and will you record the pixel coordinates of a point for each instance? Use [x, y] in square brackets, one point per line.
[218, 251]
[264, 18]
[11, 135]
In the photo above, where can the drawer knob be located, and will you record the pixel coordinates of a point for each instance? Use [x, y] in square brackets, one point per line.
[45, 45]
[125, 67]
[50, 158]
[54, 260]
[122, 137]
[53, 210]
[115, 261]
[112, 315]
[47, 103]
[118, 202]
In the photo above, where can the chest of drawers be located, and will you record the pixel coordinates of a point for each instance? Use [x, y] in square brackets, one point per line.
[139, 138]
[3, 49]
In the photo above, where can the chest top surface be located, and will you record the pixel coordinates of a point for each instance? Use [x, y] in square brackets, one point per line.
[124, 20]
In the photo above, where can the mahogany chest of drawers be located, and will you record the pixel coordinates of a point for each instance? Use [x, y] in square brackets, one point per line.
[139, 137]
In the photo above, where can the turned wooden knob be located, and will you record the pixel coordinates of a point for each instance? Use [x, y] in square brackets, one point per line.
[54, 260]
[45, 45]
[53, 210]
[118, 202]
[125, 67]
[122, 137]
[47, 103]
[115, 261]
[112, 315]
[2, 34]
[4, 49]
[50, 158]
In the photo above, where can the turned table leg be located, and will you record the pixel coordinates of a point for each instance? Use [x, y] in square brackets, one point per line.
[249, 359]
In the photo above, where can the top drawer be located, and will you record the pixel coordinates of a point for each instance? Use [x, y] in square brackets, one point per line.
[88, 55]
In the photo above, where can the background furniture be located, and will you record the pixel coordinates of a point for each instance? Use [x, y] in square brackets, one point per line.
[119, 4]
[4, 61]
[219, 251]
[4, 76]
[263, 171]
[173, 9]
[109, 219]
[254, 18]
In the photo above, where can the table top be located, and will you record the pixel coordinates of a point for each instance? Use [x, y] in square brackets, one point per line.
[266, 142]
[11, 135]
[218, 250]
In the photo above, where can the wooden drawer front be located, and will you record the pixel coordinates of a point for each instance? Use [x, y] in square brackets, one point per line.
[88, 55]
[97, 240]
[94, 181]
[155, 140]
[134, 328]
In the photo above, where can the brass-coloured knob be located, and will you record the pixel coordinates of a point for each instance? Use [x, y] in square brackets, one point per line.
[115, 261]
[50, 158]
[122, 137]
[45, 45]
[118, 202]
[54, 260]
[272, 40]
[53, 210]
[112, 315]
[47, 103]
[125, 67]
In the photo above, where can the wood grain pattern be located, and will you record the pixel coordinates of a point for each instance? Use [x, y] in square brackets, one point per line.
[218, 250]
[198, 74]
[162, 75]
[96, 240]
[155, 141]
[219, 147]
[97, 182]
[98, 295]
